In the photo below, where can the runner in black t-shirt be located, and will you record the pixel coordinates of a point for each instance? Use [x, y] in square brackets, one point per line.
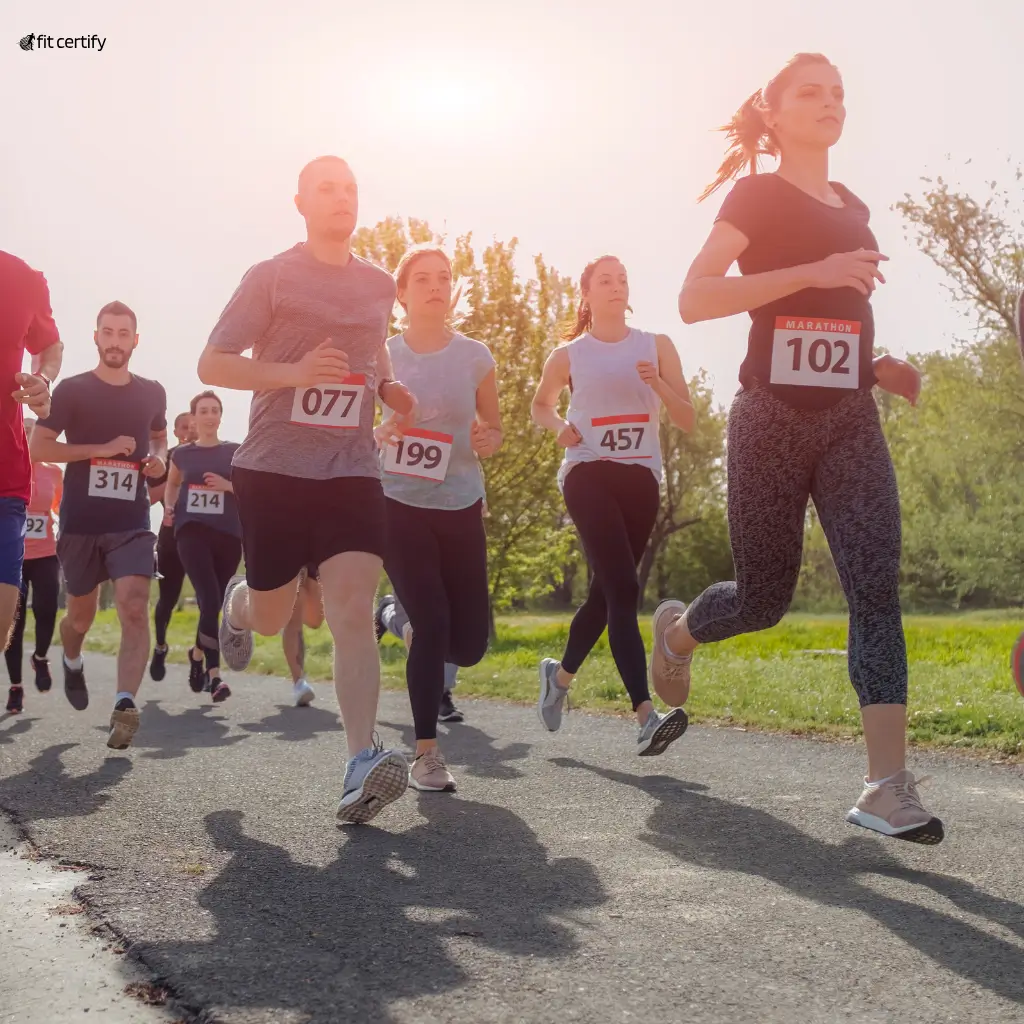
[804, 424]
[115, 430]
[171, 571]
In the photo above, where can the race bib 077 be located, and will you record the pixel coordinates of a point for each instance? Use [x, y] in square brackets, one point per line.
[330, 405]
[37, 527]
[420, 453]
[205, 501]
[816, 353]
[112, 478]
[624, 438]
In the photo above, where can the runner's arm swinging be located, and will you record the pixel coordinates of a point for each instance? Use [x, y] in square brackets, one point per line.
[488, 436]
[155, 462]
[670, 385]
[44, 447]
[553, 381]
[171, 490]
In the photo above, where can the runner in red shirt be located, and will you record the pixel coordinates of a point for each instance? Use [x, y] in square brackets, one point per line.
[26, 322]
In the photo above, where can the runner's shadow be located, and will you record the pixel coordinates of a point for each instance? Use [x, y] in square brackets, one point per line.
[466, 746]
[377, 925]
[45, 791]
[164, 736]
[20, 727]
[713, 833]
[294, 725]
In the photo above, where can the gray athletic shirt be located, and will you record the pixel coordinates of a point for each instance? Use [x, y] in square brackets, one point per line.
[283, 308]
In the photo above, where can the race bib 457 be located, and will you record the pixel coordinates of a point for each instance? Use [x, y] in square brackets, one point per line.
[330, 405]
[816, 353]
[624, 438]
[112, 478]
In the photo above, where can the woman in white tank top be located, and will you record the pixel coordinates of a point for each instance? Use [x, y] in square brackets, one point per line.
[618, 378]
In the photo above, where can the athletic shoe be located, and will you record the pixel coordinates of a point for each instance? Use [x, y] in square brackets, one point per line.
[157, 669]
[670, 675]
[1017, 663]
[44, 680]
[15, 697]
[552, 696]
[893, 808]
[430, 774]
[196, 673]
[207, 687]
[659, 731]
[219, 690]
[235, 644]
[75, 689]
[374, 778]
[379, 629]
[448, 712]
[303, 694]
[124, 723]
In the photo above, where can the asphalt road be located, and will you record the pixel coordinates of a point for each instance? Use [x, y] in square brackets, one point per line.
[568, 880]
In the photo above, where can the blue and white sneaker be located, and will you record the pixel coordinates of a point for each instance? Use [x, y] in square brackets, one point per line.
[375, 777]
[659, 731]
[235, 644]
[553, 698]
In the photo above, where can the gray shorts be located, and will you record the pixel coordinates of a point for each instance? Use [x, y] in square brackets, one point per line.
[89, 559]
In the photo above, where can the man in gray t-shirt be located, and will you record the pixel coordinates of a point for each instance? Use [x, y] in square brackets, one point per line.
[307, 479]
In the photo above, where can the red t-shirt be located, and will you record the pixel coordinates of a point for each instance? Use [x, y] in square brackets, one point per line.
[26, 322]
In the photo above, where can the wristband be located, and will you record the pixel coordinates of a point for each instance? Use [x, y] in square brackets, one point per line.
[381, 385]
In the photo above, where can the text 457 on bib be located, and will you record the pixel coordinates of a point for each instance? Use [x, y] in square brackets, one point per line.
[623, 438]
[420, 453]
[330, 405]
[812, 352]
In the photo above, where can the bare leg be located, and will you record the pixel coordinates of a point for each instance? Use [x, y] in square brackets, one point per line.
[291, 642]
[77, 621]
[266, 612]
[885, 735]
[131, 598]
[9, 598]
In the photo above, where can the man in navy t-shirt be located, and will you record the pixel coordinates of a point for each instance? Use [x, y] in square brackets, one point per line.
[115, 429]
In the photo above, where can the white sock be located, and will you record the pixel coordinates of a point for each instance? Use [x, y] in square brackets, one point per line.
[121, 696]
[73, 663]
[669, 653]
[875, 785]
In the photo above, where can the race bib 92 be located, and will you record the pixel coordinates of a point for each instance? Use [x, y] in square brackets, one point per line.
[37, 527]
[420, 453]
[623, 438]
[330, 405]
[112, 478]
[205, 501]
[816, 353]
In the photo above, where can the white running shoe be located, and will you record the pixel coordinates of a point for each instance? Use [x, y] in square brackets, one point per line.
[375, 777]
[303, 693]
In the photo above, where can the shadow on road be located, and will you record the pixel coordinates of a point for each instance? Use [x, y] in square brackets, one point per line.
[45, 791]
[473, 750]
[163, 736]
[372, 928]
[296, 724]
[21, 725]
[710, 832]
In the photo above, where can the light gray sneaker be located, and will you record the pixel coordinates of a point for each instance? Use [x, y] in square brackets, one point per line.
[375, 777]
[659, 731]
[303, 694]
[235, 644]
[552, 696]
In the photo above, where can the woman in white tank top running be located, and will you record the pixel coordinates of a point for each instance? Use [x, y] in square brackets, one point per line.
[618, 378]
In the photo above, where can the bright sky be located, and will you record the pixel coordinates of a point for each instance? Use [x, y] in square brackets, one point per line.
[158, 170]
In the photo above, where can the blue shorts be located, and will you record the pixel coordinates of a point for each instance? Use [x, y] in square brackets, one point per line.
[12, 540]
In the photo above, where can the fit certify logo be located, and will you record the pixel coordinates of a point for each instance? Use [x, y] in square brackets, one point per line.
[48, 42]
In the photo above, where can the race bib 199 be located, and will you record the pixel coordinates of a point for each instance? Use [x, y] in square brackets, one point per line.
[624, 438]
[420, 453]
[112, 478]
[205, 501]
[37, 527]
[330, 405]
[815, 353]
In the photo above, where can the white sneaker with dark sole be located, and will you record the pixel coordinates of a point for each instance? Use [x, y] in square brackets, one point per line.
[303, 694]
[235, 644]
[660, 731]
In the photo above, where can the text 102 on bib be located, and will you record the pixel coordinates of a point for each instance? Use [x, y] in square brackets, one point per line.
[112, 478]
[623, 438]
[420, 453]
[338, 406]
[812, 352]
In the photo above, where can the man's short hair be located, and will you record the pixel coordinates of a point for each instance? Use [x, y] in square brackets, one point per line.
[118, 309]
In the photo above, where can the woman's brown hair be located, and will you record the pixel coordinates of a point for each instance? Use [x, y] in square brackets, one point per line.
[584, 317]
[748, 136]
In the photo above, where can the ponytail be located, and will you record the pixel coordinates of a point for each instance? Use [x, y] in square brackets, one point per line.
[748, 136]
[584, 321]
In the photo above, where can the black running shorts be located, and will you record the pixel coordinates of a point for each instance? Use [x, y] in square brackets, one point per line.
[289, 522]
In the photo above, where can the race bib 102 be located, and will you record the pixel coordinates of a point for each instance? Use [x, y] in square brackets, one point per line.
[37, 527]
[112, 478]
[330, 405]
[205, 501]
[816, 353]
[622, 438]
[420, 453]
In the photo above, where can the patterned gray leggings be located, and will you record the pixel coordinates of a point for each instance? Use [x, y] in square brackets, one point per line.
[778, 457]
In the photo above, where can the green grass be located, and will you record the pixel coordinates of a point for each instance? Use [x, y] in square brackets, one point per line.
[961, 691]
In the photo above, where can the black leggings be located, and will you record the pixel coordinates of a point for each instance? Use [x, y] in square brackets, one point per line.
[210, 558]
[437, 562]
[779, 456]
[43, 576]
[613, 506]
[172, 576]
